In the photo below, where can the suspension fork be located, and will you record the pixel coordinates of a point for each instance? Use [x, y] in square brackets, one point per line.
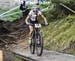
[36, 33]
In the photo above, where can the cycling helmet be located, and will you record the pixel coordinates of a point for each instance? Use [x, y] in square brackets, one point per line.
[34, 6]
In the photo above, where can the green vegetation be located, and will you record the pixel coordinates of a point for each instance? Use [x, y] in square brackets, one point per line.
[60, 34]
[13, 17]
[42, 6]
[2, 10]
[18, 59]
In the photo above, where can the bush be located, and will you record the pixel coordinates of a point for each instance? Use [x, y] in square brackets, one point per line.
[59, 11]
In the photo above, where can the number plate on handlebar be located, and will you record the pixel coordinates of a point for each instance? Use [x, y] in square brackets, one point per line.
[37, 25]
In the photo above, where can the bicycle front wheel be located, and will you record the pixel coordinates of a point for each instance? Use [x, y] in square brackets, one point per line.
[39, 44]
[32, 46]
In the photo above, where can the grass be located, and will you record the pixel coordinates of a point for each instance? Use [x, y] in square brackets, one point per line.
[59, 34]
[17, 59]
[11, 18]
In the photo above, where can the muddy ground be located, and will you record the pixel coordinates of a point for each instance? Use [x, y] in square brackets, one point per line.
[12, 33]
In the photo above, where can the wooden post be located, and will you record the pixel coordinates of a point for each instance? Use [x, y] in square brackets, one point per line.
[67, 7]
[1, 55]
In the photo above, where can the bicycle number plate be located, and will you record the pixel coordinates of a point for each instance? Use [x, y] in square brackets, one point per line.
[37, 25]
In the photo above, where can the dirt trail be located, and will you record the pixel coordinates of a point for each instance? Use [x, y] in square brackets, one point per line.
[13, 31]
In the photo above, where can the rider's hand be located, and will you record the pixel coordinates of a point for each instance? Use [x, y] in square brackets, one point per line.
[46, 23]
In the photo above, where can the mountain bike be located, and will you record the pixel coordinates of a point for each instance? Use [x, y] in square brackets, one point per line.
[36, 40]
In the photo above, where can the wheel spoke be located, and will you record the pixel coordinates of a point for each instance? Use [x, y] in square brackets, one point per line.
[39, 45]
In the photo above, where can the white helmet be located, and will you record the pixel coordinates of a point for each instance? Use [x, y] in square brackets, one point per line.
[34, 6]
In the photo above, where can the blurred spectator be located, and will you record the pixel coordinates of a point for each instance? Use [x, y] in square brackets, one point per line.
[23, 6]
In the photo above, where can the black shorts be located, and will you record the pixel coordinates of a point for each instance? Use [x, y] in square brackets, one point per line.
[32, 22]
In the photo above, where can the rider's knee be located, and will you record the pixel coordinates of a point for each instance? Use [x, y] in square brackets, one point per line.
[31, 28]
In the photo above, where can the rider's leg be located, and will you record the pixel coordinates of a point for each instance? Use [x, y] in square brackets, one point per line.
[31, 30]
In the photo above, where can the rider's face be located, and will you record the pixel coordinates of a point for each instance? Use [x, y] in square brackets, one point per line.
[34, 9]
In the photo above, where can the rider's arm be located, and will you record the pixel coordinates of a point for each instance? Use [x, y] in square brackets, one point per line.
[45, 20]
[28, 16]
[26, 20]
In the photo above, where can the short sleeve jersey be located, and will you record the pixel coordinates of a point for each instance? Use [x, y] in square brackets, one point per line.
[33, 14]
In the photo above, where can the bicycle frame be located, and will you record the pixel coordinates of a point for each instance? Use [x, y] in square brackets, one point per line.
[35, 31]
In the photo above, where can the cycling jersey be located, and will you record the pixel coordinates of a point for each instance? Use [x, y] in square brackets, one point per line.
[33, 14]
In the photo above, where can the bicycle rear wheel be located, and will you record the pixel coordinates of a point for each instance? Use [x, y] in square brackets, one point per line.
[39, 44]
